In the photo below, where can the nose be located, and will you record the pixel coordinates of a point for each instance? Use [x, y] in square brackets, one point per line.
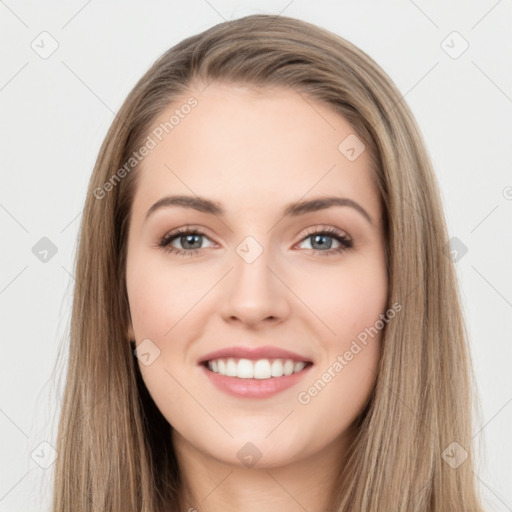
[255, 293]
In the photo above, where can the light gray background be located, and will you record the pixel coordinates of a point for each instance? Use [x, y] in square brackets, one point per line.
[55, 112]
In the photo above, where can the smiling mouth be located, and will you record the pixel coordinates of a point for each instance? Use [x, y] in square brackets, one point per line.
[255, 369]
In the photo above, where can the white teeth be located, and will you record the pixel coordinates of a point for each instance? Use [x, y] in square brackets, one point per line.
[299, 366]
[277, 368]
[288, 367]
[245, 369]
[231, 368]
[260, 369]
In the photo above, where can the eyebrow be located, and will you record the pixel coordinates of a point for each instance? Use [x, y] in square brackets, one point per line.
[295, 209]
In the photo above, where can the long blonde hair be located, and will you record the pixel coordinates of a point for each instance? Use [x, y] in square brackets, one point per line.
[114, 448]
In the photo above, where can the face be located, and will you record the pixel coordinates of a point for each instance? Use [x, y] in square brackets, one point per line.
[252, 275]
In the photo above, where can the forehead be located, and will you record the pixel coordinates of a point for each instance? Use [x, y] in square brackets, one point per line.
[242, 145]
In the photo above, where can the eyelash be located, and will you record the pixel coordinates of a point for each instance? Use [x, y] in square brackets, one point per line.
[345, 242]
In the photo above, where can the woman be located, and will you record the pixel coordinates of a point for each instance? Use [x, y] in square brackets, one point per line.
[307, 351]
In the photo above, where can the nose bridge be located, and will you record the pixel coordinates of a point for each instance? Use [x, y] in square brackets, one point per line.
[254, 293]
[252, 264]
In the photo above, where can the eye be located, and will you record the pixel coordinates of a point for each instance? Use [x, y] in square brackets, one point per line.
[189, 238]
[321, 241]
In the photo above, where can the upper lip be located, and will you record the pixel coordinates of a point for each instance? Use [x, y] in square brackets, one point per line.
[255, 353]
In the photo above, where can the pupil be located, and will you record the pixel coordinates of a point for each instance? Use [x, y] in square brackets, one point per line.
[190, 239]
[319, 237]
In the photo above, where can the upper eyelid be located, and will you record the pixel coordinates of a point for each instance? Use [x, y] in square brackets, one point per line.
[325, 228]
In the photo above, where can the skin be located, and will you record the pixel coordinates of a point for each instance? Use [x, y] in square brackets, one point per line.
[245, 148]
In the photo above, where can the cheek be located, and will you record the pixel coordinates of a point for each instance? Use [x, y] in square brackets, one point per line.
[347, 299]
[159, 297]
[164, 303]
[161, 300]
[350, 305]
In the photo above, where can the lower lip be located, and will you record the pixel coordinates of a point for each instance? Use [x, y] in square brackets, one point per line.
[254, 388]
